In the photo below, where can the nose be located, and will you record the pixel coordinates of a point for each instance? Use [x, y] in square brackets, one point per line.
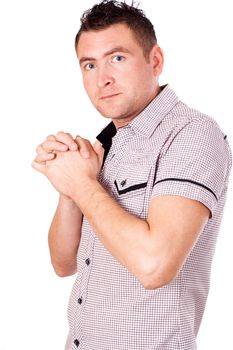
[104, 78]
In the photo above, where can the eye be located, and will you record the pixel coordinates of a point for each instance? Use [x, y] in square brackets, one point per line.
[89, 66]
[118, 58]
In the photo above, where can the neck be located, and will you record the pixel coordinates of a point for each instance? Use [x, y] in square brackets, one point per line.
[123, 122]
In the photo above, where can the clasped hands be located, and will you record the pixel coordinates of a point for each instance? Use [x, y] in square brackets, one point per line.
[69, 164]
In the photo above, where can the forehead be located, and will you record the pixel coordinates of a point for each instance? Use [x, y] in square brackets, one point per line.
[117, 35]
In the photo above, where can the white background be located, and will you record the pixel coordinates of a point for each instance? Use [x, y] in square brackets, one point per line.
[41, 93]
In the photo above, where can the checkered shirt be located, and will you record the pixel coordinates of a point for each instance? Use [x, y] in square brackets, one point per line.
[168, 149]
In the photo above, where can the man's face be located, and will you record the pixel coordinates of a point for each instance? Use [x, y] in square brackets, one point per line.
[117, 78]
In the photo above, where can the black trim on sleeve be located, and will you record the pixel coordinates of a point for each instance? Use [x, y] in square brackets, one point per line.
[186, 180]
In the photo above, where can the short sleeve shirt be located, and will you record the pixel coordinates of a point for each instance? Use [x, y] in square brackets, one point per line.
[168, 149]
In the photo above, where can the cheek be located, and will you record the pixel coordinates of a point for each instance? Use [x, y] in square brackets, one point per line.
[89, 87]
[138, 76]
[147, 81]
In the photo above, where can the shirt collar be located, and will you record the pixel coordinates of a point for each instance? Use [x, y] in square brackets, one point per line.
[147, 121]
[107, 134]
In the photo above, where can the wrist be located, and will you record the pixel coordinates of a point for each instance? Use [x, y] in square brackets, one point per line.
[84, 192]
[64, 197]
[65, 200]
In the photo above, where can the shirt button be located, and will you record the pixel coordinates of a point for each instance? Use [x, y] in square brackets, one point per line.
[76, 342]
[80, 300]
[87, 261]
[123, 183]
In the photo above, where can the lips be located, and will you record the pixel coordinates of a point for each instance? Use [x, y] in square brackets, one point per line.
[108, 96]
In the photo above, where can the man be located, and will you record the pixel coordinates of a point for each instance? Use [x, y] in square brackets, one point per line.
[140, 210]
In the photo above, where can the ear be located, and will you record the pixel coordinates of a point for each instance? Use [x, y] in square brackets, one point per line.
[157, 60]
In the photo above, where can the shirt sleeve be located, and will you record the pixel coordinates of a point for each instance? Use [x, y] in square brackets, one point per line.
[194, 164]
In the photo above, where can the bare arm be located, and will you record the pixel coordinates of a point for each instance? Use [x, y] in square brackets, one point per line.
[64, 237]
[65, 230]
[153, 250]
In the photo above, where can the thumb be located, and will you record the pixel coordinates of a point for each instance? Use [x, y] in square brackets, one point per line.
[99, 150]
[39, 167]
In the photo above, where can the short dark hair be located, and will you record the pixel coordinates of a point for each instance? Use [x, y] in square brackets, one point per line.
[109, 12]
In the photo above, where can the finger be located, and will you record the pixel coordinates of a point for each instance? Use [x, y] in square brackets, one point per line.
[41, 158]
[85, 146]
[51, 138]
[51, 146]
[99, 150]
[40, 149]
[38, 167]
[67, 139]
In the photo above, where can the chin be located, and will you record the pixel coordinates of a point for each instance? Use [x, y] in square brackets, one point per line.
[108, 114]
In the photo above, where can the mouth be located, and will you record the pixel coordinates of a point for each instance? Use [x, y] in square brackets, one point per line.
[108, 97]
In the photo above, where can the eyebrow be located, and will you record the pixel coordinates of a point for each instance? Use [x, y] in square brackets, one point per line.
[110, 52]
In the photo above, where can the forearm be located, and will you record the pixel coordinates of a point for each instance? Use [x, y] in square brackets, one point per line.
[126, 236]
[64, 237]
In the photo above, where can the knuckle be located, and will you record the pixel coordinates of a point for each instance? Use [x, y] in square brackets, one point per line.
[80, 139]
[51, 138]
[85, 142]
[64, 137]
[70, 139]
[46, 146]
[44, 156]
[68, 134]
[38, 159]
[60, 133]
[39, 149]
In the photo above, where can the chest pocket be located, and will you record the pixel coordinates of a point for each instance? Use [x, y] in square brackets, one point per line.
[130, 186]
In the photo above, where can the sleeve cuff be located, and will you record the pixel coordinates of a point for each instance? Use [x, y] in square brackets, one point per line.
[186, 189]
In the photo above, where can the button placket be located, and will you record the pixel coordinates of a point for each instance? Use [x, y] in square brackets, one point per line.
[82, 292]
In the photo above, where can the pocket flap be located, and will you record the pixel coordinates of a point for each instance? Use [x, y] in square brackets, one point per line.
[121, 189]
